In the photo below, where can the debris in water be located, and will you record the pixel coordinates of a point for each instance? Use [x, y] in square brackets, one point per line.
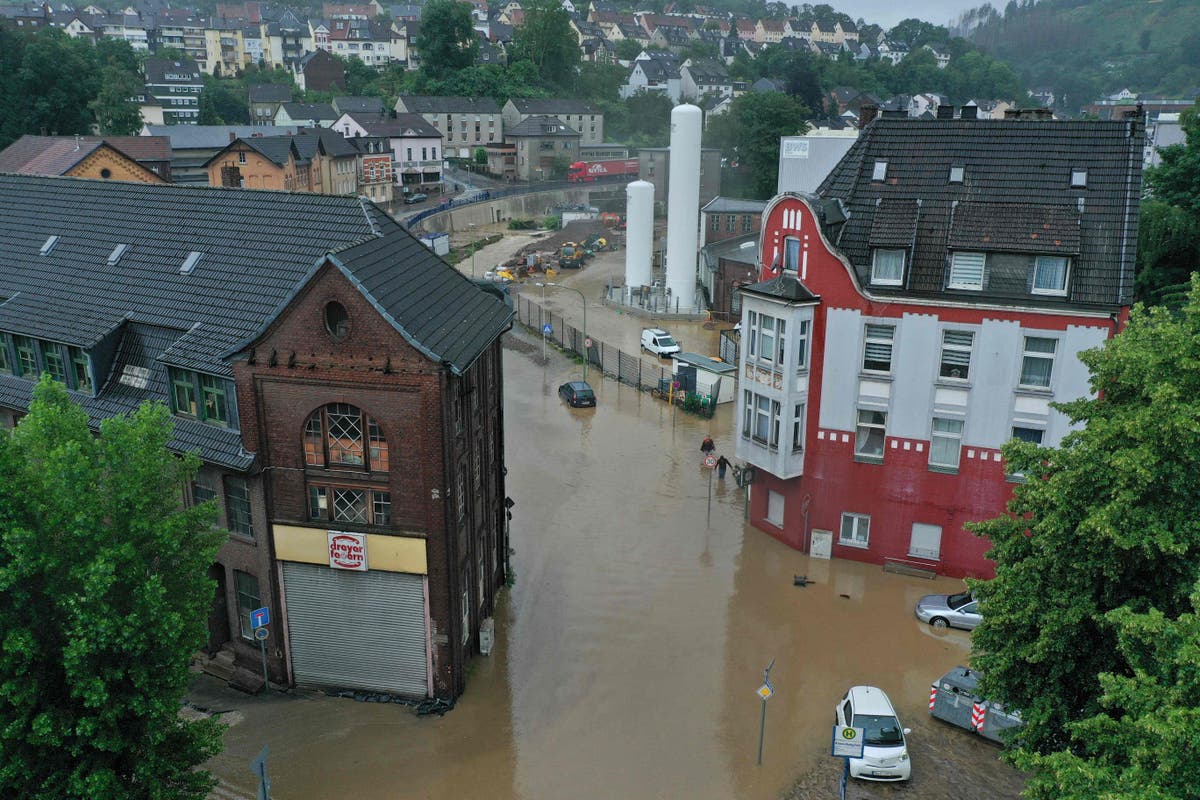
[800, 580]
[844, 596]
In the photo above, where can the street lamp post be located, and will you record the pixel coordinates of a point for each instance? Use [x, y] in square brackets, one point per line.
[583, 300]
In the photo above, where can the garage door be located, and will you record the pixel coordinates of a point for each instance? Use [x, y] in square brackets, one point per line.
[361, 630]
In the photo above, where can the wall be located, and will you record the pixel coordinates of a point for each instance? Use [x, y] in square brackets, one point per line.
[533, 205]
[118, 168]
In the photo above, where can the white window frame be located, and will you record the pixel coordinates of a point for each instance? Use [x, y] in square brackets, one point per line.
[1066, 275]
[955, 280]
[955, 349]
[798, 412]
[1041, 432]
[1027, 354]
[879, 280]
[879, 171]
[873, 334]
[953, 438]
[860, 530]
[927, 531]
[791, 244]
[776, 503]
[802, 345]
[862, 431]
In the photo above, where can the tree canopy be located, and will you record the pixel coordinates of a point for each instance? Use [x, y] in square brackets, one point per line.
[1104, 527]
[1169, 229]
[749, 132]
[448, 39]
[545, 39]
[104, 598]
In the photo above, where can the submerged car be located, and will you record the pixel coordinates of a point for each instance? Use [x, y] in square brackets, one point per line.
[885, 750]
[413, 199]
[578, 394]
[949, 610]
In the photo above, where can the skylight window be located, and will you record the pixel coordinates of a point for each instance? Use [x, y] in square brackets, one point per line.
[190, 262]
[880, 172]
[956, 174]
[116, 254]
[49, 245]
[1078, 178]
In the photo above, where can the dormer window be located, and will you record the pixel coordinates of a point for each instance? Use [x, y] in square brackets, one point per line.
[966, 271]
[956, 174]
[887, 267]
[1079, 178]
[880, 171]
[1050, 275]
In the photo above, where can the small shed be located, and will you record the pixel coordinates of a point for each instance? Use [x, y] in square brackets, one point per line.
[437, 242]
[708, 373]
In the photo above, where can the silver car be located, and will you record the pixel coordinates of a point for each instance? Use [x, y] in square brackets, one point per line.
[949, 610]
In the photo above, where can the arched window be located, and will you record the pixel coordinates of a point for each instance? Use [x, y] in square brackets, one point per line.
[342, 435]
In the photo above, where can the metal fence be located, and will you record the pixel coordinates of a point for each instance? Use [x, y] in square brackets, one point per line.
[612, 361]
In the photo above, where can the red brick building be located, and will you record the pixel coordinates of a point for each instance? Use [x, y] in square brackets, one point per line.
[340, 383]
[927, 307]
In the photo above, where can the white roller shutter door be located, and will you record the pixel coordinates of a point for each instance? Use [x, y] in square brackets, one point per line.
[360, 630]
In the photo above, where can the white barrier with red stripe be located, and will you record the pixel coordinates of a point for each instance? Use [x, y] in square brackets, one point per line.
[932, 697]
[978, 712]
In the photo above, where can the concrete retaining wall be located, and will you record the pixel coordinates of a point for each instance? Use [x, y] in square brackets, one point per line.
[534, 205]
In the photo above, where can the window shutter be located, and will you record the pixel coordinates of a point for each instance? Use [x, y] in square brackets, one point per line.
[966, 270]
[926, 541]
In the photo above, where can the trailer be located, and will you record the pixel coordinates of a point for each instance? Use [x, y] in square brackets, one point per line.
[588, 171]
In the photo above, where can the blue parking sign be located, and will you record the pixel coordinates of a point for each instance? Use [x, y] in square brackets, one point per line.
[260, 617]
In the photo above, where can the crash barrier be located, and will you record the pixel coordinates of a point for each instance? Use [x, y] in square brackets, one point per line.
[954, 698]
[628, 368]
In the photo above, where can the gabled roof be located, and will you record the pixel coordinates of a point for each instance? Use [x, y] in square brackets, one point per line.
[553, 106]
[313, 111]
[358, 105]
[708, 71]
[258, 249]
[164, 72]
[57, 155]
[402, 125]
[208, 137]
[429, 104]
[541, 126]
[1015, 198]
[333, 144]
[270, 93]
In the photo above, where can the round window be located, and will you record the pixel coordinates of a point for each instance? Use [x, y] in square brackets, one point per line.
[105, 173]
[337, 321]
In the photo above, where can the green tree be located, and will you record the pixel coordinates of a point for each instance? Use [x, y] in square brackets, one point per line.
[361, 80]
[1142, 745]
[448, 40]
[103, 601]
[1169, 229]
[57, 80]
[628, 49]
[481, 156]
[749, 134]
[545, 39]
[116, 114]
[1107, 520]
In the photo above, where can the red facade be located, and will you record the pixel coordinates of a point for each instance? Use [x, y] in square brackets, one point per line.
[903, 489]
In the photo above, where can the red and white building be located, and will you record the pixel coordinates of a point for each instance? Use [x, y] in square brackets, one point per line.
[924, 308]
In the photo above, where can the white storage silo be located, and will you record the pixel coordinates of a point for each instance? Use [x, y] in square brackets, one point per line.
[639, 233]
[683, 206]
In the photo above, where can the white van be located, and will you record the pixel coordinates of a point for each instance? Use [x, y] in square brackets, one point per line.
[659, 342]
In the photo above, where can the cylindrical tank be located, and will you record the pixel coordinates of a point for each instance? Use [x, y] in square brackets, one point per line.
[639, 233]
[683, 206]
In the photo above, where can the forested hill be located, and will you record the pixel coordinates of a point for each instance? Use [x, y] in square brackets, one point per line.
[1087, 48]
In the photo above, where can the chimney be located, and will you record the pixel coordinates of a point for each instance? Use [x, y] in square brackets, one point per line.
[867, 113]
[1012, 113]
[945, 112]
[233, 136]
[970, 112]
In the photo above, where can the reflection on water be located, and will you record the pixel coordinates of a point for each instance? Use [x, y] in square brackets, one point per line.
[633, 641]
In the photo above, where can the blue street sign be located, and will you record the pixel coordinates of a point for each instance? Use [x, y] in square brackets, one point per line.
[260, 617]
[547, 329]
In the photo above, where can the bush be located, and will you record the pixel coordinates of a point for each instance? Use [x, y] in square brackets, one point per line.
[521, 225]
[550, 223]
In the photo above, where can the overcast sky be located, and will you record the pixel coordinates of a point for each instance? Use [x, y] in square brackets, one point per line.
[888, 12]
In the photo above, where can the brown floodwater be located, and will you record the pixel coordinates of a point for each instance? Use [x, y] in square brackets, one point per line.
[633, 641]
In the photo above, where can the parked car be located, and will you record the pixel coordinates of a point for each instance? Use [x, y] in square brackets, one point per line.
[412, 199]
[659, 342]
[949, 610]
[499, 275]
[577, 394]
[885, 750]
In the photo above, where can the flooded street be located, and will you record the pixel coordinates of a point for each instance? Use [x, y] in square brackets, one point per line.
[632, 643]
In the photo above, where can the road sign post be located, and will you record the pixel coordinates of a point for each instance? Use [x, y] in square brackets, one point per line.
[710, 461]
[848, 743]
[259, 767]
[765, 692]
[259, 618]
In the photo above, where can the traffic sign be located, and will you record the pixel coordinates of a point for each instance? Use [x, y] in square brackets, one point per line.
[710, 461]
[547, 329]
[847, 742]
[766, 691]
[260, 617]
[587, 342]
[261, 633]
